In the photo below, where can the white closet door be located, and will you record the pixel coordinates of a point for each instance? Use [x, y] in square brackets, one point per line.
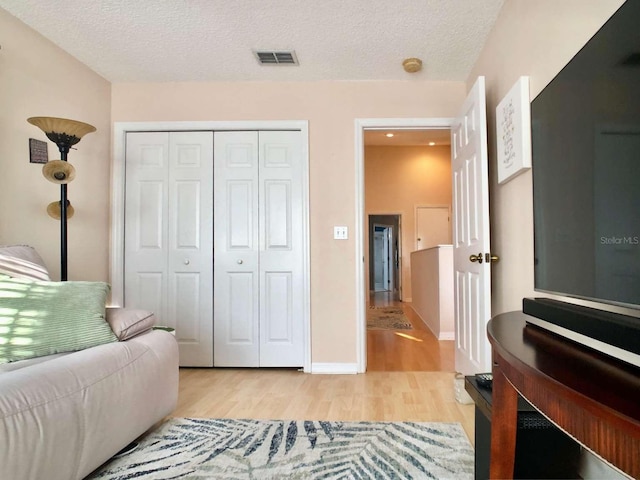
[236, 282]
[168, 235]
[281, 249]
[258, 245]
[190, 255]
[146, 228]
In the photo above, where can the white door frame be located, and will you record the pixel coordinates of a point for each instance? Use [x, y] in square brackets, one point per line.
[116, 250]
[362, 124]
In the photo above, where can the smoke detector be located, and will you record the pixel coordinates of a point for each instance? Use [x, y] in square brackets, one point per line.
[280, 57]
[412, 65]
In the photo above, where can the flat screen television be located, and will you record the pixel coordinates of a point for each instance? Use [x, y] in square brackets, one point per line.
[586, 171]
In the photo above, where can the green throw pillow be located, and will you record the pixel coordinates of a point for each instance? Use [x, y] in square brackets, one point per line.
[43, 318]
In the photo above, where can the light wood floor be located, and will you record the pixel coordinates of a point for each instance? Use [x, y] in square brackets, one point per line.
[406, 350]
[293, 395]
[409, 378]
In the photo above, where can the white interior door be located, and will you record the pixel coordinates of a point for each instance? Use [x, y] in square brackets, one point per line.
[432, 226]
[386, 258]
[259, 311]
[168, 235]
[378, 267]
[472, 279]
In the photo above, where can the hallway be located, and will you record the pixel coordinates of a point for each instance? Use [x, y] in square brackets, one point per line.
[415, 350]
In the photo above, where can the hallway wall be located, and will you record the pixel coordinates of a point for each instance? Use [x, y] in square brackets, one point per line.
[397, 179]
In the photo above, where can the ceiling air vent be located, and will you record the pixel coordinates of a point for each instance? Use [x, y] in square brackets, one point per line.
[276, 58]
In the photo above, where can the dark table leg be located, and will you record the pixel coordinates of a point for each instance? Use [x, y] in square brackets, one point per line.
[504, 423]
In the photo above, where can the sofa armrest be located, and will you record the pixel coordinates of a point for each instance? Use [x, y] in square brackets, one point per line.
[128, 322]
[63, 418]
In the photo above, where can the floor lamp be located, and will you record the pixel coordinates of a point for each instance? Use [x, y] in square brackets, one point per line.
[64, 133]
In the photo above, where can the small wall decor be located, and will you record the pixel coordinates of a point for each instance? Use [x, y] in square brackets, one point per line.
[513, 131]
[38, 152]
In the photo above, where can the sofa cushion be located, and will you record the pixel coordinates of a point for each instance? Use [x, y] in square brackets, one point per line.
[43, 318]
[22, 261]
[129, 322]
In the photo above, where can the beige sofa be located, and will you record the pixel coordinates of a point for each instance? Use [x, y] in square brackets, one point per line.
[63, 415]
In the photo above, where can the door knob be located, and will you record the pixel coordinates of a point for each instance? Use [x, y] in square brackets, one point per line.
[186, 261]
[239, 262]
[491, 258]
[476, 258]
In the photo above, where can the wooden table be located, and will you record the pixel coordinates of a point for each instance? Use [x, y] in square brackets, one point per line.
[589, 395]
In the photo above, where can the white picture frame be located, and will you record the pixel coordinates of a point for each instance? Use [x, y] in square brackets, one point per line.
[513, 131]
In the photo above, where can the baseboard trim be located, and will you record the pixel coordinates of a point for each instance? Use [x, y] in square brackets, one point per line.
[335, 368]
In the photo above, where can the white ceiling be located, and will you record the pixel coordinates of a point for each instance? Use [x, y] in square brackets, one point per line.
[213, 40]
[423, 137]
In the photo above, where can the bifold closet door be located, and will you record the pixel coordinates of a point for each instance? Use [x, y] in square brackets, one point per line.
[169, 235]
[258, 245]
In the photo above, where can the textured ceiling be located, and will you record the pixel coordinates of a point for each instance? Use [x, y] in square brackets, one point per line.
[213, 40]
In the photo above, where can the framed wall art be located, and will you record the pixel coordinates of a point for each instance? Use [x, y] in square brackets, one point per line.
[513, 131]
[38, 151]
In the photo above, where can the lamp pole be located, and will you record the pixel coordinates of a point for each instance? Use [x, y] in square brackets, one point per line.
[64, 150]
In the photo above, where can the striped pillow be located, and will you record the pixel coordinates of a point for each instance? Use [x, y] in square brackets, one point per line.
[43, 318]
[22, 261]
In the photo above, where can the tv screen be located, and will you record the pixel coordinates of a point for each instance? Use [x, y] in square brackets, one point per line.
[586, 169]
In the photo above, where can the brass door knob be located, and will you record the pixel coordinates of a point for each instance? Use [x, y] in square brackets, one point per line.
[476, 258]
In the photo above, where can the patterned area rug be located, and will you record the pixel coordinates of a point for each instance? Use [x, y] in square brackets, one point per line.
[274, 449]
[387, 318]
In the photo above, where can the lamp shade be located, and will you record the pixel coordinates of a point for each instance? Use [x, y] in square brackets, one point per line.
[59, 171]
[53, 209]
[62, 130]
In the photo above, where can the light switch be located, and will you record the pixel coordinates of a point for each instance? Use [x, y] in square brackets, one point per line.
[340, 233]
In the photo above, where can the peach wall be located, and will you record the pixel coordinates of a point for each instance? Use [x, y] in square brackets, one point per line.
[331, 109]
[39, 79]
[535, 39]
[397, 179]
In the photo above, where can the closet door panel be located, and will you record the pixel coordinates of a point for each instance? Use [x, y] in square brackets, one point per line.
[190, 256]
[187, 290]
[281, 249]
[277, 215]
[241, 314]
[239, 217]
[169, 235]
[236, 282]
[146, 226]
[278, 320]
[149, 288]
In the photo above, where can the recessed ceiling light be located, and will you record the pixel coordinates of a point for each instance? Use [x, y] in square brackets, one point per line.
[389, 135]
[431, 144]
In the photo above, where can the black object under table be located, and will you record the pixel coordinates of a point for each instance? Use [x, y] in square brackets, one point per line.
[542, 449]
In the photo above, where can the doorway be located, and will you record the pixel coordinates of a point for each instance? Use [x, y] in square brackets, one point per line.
[373, 293]
[384, 255]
